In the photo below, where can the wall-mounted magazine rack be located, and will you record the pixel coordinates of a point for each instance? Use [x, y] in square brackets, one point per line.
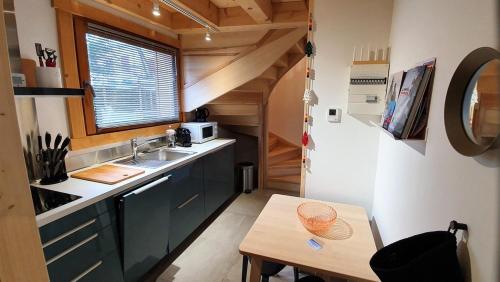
[408, 103]
[421, 136]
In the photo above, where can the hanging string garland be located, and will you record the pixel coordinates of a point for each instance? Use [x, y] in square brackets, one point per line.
[308, 93]
[305, 139]
[309, 49]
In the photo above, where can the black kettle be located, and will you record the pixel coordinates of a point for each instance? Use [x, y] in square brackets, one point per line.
[201, 115]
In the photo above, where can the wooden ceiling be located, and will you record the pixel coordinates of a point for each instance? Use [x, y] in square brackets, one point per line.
[234, 3]
[225, 15]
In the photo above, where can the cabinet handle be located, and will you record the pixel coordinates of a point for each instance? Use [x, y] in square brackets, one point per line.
[188, 201]
[90, 269]
[149, 186]
[70, 249]
[66, 234]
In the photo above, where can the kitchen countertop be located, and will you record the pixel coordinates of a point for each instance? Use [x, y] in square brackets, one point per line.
[93, 192]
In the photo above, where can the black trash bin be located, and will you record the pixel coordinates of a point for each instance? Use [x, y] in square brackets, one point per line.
[245, 176]
[428, 257]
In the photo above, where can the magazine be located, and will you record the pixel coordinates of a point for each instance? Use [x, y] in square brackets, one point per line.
[405, 100]
[391, 97]
[419, 103]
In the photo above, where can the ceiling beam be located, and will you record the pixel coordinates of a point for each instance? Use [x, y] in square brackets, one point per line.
[203, 9]
[285, 15]
[137, 13]
[141, 10]
[260, 10]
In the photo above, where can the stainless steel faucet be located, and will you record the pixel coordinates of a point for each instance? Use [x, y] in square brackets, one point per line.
[135, 146]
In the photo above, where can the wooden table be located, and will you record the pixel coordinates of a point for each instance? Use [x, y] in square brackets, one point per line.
[277, 235]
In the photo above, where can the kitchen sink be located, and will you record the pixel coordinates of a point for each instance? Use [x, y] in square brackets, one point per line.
[154, 158]
[165, 155]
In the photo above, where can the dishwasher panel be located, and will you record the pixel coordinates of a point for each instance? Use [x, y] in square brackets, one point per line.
[144, 226]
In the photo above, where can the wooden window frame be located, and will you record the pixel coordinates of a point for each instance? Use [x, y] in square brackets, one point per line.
[81, 29]
[66, 11]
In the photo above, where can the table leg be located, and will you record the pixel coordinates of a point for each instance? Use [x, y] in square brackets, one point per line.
[255, 269]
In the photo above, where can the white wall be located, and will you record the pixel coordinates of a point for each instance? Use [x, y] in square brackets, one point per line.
[286, 108]
[36, 22]
[417, 192]
[343, 156]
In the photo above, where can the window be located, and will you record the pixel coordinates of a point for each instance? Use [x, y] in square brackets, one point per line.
[134, 80]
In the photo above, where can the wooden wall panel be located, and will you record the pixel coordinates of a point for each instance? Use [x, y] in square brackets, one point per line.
[21, 256]
[70, 72]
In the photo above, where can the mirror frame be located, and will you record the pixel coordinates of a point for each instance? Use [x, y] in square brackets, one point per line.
[453, 107]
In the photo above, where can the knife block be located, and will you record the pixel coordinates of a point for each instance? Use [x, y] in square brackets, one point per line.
[52, 173]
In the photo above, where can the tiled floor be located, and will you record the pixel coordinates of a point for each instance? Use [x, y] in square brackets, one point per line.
[213, 256]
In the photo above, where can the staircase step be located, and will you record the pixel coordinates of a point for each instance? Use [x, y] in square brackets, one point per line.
[284, 186]
[237, 120]
[278, 170]
[283, 153]
[233, 109]
[292, 162]
[282, 62]
[272, 142]
[270, 74]
[254, 85]
[237, 97]
[288, 179]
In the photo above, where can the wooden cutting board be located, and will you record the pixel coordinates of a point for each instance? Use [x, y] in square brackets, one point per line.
[107, 174]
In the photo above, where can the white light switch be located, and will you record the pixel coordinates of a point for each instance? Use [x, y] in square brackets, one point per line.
[334, 115]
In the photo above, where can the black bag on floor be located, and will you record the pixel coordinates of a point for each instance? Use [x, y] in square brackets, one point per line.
[430, 256]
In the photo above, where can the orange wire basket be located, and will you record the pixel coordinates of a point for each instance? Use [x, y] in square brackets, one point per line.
[317, 218]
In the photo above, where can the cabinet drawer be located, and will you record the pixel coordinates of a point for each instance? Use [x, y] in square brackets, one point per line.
[76, 259]
[186, 182]
[66, 240]
[76, 219]
[107, 269]
[185, 218]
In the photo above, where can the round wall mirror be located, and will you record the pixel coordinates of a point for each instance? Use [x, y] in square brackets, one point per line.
[472, 108]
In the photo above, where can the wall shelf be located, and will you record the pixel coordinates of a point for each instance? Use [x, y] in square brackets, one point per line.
[48, 92]
[420, 137]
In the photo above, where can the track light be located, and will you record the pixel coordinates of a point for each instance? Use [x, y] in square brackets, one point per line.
[156, 8]
[208, 37]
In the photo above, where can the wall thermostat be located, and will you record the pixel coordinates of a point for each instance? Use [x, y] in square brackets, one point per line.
[334, 115]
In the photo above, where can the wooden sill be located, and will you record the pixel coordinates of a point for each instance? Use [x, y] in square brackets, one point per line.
[120, 136]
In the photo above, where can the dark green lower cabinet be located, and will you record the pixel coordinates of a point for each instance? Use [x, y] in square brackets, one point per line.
[152, 220]
[107, 269]
[218, 178]
[83, 244]
[207, 184]
[187, 202]
[185, 219]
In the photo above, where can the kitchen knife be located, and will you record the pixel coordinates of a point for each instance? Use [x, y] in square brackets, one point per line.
[40, 154]
[40, 145]
[57, 141]
[61, 154]
[47, 169]
[57, 167]
[65, 143]
[48, 138]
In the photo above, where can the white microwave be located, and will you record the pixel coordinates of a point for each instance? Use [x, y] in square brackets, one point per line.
[201, 131]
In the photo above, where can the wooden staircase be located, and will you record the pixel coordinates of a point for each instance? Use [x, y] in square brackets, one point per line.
[236, 94]
[244, 110]
[283, 164]
[257, 68]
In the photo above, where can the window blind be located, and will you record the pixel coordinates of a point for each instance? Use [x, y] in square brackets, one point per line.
[134, 81]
